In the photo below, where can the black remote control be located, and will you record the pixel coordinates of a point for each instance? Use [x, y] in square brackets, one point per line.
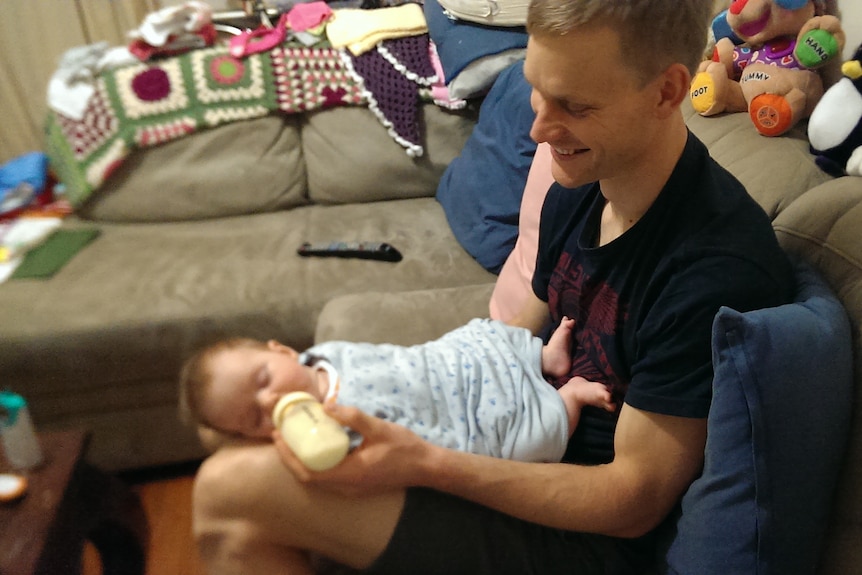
[361, 250]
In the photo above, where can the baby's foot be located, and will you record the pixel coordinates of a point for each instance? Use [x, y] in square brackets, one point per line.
[584, 392]
[578, 392]
[557, 354]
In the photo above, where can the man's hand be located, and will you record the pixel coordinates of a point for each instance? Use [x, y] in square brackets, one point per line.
[389, 457]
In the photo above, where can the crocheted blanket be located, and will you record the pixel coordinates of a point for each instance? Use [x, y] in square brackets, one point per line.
[146, 104]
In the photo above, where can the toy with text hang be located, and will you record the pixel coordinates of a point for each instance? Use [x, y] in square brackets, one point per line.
[768, 62]
[835, 126]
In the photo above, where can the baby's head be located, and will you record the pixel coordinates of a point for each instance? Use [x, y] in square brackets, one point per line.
[232, 386]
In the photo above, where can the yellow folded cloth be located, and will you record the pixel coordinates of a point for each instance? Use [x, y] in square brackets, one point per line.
[360, 30]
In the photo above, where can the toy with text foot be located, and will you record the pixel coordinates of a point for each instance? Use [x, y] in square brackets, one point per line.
[835, 126]
[770, 65]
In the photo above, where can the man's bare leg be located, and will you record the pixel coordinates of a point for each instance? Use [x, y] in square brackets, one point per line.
[251, 516]
[578, 392]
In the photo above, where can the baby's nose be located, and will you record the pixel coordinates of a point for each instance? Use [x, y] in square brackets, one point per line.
[267, 399]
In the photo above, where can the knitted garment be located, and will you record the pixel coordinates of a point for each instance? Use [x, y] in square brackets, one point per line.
[361, 30]
[146, 104]
[392, 76]
[313, 78]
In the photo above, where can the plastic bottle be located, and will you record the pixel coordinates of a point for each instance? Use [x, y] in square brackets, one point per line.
[318, 441]
[19, 438]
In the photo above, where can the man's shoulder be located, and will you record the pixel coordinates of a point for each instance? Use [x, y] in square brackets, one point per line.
[698, 168]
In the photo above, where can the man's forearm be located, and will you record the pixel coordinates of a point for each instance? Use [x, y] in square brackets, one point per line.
[657, 457]
[571, 497]
[533, 314]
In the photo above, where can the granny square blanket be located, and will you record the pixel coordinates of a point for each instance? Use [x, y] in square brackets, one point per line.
[148, 103]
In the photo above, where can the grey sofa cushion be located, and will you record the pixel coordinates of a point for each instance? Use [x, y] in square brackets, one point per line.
[106, 335]
[343, 155]
[351, 158]
[775, 171]
[238, 168]
[823, 226]
[387, 317]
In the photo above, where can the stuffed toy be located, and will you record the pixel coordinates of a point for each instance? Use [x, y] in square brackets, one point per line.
[767, 62]
[835, 126]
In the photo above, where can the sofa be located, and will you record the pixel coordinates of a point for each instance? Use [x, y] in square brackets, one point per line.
[198, 239]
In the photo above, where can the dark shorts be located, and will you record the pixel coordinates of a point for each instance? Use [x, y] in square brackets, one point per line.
[439, 534]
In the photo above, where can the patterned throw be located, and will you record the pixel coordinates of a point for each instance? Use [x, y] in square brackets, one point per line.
[151, 103]
[392, 76]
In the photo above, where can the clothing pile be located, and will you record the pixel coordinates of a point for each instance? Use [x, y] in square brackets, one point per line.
[31, 211]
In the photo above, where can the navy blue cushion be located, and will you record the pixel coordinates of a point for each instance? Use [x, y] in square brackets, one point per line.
[460, 43]
[777, 430]
[481, 189]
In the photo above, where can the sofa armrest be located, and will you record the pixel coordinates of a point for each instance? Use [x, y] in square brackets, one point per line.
[405, 318]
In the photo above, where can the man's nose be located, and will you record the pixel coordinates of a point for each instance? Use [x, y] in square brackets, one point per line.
[543, 123]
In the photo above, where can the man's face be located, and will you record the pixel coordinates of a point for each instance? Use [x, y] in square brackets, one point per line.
[247, 383]
[590, 107]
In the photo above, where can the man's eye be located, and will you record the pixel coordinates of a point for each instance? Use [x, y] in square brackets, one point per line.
[577, 111]
[574, 108]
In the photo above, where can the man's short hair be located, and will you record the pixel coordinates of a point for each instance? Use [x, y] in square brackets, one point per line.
[654, 33]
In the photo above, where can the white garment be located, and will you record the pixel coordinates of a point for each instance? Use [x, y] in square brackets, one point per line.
[479, 388]
[74, 82]
[489, 12]
[160, 25]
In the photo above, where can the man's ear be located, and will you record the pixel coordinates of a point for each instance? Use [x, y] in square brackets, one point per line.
[673, 86]
[273, 345]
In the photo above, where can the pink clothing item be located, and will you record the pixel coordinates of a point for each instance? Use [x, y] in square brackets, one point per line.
[307, 16]
[439, 90]
[261, 39]
[514, 284]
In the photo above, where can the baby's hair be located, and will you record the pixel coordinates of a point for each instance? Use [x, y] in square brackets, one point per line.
[196, 375]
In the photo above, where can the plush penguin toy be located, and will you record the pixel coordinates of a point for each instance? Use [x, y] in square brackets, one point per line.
[835, 125]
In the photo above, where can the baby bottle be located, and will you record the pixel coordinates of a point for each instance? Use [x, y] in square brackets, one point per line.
[319, 441]
[16, 429]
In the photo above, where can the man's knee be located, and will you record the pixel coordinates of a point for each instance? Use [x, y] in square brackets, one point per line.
[224, 483]
[224, 529]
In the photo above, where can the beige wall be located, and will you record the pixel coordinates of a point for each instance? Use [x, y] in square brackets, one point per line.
[33, 36]
[851, 19]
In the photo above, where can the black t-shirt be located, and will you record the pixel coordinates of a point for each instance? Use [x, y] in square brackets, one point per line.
[644, 303]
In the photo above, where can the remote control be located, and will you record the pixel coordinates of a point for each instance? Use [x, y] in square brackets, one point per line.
[361, 250]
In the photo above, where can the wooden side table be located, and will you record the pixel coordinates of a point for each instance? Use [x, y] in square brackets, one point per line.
[68, 502]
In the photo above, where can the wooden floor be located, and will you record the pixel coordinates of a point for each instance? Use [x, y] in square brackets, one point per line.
[166, 495]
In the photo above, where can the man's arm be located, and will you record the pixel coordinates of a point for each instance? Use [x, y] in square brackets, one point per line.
[657, 457]
[533, 314]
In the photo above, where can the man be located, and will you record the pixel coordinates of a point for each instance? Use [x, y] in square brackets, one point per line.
[643, 244]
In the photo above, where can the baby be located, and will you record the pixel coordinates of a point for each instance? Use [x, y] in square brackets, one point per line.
[480, 388]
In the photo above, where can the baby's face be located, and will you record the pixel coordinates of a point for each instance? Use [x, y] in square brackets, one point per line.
[247, 383]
